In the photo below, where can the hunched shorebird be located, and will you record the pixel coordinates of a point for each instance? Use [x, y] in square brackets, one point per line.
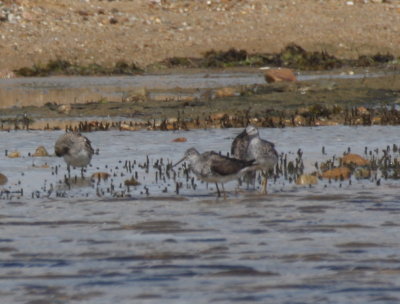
[76, 150]
[249, 146]
[212, 167]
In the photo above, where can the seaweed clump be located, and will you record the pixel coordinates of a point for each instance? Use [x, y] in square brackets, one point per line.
[64, 67]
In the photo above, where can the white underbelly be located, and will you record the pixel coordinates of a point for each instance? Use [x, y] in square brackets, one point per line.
[80, 159]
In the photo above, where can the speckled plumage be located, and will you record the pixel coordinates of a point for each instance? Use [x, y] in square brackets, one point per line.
[249, 146]
[75, 148]
[213, 167]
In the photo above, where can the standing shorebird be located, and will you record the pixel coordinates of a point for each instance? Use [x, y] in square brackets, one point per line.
[76, 150]
[212, 167]
[248, 145]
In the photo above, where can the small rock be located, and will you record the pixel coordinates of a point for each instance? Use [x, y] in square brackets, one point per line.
[217, 116]
[40, 151]
[299, 120]
[279, 75]
[337, 173]
[362, 173]
[226, 92]
[356, 159]
[131, 182]
[44, 166]
[172, 120]
[100, 176]
[7, 74]
[306, 179]
[14, 154]
[127, 127]
[113, 20]
[64, 109]
[180, 139]
[362, 110]
[139, 94]
[376, 120]
[3, 179]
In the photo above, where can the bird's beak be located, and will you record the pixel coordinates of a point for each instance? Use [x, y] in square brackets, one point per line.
[179, 161]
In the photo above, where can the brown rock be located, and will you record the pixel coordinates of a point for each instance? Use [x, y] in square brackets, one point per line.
[279, 75]
[337, 173]
[226, 92]
[180, 139]
[126, 127]
[376, 120]
[321, 122]
[3, 179]
[362, 110]
[131, 182]
[64, 109]
[306, 179]
[14, 154]
[217, 116]
[354, 159]
[100, 175]
[299, 120]
[40, 151]
[362, 173]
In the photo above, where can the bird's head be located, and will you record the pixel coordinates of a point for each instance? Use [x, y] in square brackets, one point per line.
[251, 130]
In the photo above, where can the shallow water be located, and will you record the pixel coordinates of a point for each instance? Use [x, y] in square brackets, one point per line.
[36, 91]
[331, 243]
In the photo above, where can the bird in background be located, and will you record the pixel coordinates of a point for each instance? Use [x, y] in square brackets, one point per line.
[212, 167]
[249, 146]
[76, 150]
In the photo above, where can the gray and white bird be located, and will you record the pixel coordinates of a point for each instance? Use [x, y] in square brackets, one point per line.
[76, 150]
[249, 146]
[212, 167]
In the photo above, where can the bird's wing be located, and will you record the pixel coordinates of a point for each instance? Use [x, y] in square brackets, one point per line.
[88, 144]
[239, 145]
[268, 147]
[223, 165]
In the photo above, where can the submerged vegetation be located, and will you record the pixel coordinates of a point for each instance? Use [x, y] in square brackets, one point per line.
[310, 116]
[292, 56]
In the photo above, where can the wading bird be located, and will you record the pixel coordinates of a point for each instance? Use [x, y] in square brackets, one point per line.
[249, 146]
[76, 150]
[212, 167]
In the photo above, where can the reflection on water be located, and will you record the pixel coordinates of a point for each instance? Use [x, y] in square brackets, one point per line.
[331, 243]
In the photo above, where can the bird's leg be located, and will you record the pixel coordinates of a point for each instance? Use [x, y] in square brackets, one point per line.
[223, 189]
[69, 171]
[82, 170]
[219, 193]
[264, 175]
